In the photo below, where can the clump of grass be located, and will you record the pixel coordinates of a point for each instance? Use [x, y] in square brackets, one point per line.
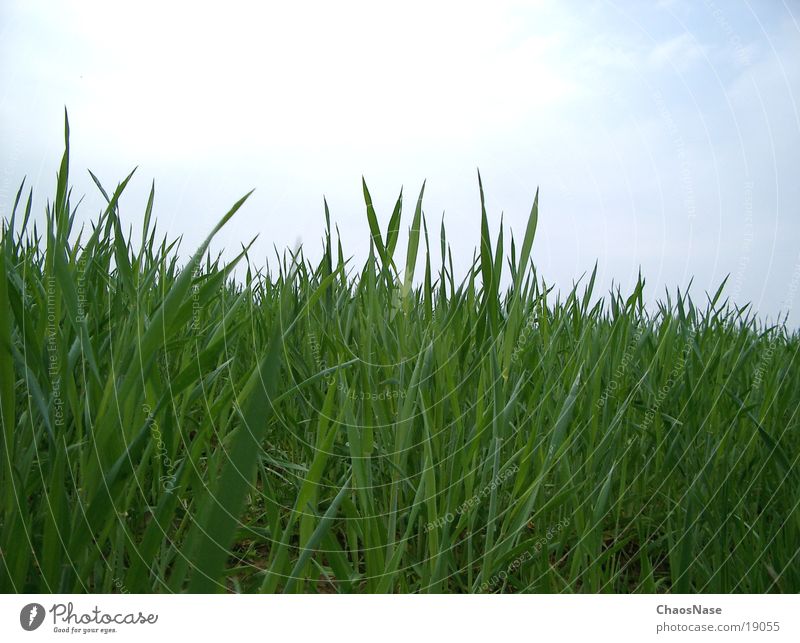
[316, 428]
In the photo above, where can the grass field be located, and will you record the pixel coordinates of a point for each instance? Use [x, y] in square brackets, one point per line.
[322, 427]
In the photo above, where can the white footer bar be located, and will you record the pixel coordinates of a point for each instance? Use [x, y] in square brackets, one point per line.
[331, 618]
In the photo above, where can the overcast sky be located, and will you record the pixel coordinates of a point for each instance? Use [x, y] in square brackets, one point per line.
[662, 135]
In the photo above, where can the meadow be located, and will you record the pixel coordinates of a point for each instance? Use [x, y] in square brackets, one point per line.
[195, 425]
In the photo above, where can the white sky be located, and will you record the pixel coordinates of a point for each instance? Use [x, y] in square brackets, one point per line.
[662, 135]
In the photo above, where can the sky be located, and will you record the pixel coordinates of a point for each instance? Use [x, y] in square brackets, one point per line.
[663, 136]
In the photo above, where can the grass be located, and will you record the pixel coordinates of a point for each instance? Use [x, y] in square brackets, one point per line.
[317, 428]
